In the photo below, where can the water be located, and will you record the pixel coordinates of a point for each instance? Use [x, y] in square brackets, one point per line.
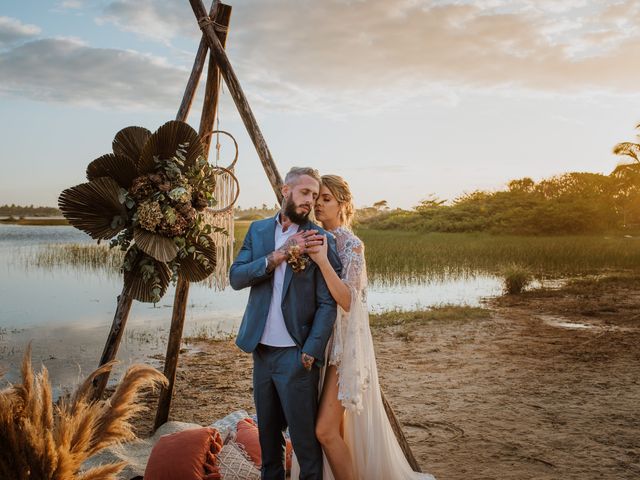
[66, 312]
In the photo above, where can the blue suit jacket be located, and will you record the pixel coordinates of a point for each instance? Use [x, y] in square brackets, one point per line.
[308, 308]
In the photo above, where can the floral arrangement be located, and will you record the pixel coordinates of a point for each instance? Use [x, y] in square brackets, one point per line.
[148, 197]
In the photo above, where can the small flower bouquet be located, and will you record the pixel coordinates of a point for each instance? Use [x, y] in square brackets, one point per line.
[148, 197]
[296, 259]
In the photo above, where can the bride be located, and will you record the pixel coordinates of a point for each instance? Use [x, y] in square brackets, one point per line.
[352, 426]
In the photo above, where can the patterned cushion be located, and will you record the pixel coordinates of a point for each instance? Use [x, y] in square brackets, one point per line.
[228, 423]
[247, 438]
[234, 465]
[254, 417]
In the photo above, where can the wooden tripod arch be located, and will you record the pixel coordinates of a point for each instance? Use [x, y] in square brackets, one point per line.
[214, 26]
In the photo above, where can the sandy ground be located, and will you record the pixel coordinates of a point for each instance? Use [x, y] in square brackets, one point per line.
[547, 388]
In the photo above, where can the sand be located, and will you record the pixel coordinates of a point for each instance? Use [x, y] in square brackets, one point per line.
[547, 388]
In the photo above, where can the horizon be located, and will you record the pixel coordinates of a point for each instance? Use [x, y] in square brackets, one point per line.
[403, 99]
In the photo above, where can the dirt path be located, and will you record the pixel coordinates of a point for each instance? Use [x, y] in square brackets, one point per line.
[545, 389]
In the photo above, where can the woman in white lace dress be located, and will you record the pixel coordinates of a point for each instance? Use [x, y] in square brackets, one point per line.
[352, 426]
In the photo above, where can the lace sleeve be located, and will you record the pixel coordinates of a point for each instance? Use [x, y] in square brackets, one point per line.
[354, 269]
[351, 330]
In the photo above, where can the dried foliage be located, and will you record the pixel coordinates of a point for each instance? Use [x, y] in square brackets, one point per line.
[40, 440]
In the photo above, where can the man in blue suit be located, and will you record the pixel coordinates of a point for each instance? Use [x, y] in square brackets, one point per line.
[287, 324]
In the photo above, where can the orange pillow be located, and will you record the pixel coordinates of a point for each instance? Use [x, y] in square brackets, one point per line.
[187, 455]
[247, 436]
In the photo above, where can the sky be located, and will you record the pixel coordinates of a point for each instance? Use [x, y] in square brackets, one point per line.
[403, 98]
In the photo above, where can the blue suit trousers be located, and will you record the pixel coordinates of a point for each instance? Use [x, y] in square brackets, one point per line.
[286, 394]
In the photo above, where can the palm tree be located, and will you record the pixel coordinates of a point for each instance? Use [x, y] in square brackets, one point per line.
[627, 177]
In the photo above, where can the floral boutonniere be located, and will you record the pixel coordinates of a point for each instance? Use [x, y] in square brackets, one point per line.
[296, 259]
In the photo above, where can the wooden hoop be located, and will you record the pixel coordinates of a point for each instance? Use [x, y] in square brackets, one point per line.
[235, 144]
[235, 198]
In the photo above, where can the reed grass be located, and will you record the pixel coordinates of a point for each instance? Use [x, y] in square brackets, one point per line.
[403, 257]
[87, 256]
[400, 256]
[444, 313]
[515, 278]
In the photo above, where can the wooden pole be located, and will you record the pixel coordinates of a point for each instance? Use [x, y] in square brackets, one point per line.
[230, 78]
[397, 429]
[173, 351]
[196, 72]
[113, 340]
[222, 15]
[212, 89]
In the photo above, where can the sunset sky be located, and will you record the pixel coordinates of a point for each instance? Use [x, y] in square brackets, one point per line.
[404, 98]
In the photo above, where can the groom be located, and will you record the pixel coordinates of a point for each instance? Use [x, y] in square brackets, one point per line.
[287, 324]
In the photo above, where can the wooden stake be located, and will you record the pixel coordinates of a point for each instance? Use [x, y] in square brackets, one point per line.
[222, 16]
[397, 429]
[230, 78]
[173, 351]
[113, 340]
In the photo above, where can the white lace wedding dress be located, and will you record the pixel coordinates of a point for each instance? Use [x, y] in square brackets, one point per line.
[375, 452]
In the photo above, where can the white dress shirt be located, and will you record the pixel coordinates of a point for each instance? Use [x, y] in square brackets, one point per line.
[275, 331]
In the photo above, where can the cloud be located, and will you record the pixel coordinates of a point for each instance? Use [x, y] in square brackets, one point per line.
[158, 20]
[67, 71]
[338, 57]
[71, 4]
[411, 46]
[13, 31]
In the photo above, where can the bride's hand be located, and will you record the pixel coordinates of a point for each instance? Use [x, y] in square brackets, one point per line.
[317, 248]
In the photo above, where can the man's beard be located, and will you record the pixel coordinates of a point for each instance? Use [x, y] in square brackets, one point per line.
[295, 217]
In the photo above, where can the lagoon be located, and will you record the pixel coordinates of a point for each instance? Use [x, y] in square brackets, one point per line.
[66, 310]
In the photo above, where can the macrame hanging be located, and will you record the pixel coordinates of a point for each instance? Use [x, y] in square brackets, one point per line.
[226, 193]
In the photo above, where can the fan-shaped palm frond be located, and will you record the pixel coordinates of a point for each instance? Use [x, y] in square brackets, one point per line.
[146, 278]
[166, 141]
[200, 263]
[94, 207]
[120, 168]
[159, 247]
[129, 142]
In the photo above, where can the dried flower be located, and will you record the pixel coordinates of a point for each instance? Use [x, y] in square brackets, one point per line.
[149, 215]
[296, 259]
[199, 200]
[141, 188]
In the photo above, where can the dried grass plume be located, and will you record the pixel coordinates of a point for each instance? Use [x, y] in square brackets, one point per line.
[40, 440]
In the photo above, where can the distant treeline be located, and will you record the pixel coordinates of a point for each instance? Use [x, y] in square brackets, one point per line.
[255, 213]
[14, 210]
[572, 203]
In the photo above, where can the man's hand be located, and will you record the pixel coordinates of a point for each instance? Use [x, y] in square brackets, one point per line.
[274, 259]
[302, 240]
[307, 361]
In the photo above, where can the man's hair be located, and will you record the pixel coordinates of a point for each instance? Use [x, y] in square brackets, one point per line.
[296, 172]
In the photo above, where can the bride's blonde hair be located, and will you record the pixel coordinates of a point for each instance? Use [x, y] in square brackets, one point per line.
[339, 188]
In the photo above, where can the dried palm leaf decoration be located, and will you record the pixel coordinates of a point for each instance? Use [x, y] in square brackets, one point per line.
[149, 196]
[222, 214]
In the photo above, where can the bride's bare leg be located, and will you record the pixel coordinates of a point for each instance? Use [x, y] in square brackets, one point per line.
[329, 428]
